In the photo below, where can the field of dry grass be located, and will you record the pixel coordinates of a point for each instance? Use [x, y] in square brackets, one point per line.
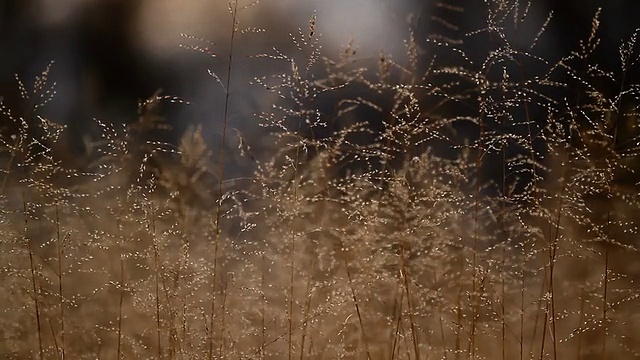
[394, 209]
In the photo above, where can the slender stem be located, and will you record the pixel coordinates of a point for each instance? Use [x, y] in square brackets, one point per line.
[60, 243]
[221, 346]
[36, 293]
[522, 292]
[582, 303]
[398, 303]
[459, 317]
[475, 296]
[263, 328]
[156, 264]
[414, 330]
[553, 249]
[357, 306]
[120, 306]
[605, 305]
[234, 28]
[306, 313]
[292, 251]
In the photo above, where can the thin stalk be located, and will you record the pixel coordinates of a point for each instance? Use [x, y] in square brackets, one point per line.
[212, 317]
[441, 321]
[120, 305]
[221, 346]
[503, 215]
[292, 250]
[522, 292]
[156, 265]
[459, 325]
[475, 303]
[553, 249]
[175, 326]
[582, 302]
[554, 335]
[536, 202]
[503, 325]
[613, 143]
[397, 310]
[404, 340]
[172, 338]
[442, 338]
[60, 244]
[357, 306]
[184, 262]
[605, 305]
[7, 172]
[414, 334]
[539, 309]
[263, 328]
[55, 340]
[233, 6]
[306, 313]
[32, 267]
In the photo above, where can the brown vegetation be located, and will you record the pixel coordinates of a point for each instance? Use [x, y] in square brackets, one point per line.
[467, 210]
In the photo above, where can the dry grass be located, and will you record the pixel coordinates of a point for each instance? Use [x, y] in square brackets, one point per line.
[403, 210]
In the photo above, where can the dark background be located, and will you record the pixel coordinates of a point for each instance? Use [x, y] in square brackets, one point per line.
[104, 65]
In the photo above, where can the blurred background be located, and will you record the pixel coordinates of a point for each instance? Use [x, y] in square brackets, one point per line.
[110, 54]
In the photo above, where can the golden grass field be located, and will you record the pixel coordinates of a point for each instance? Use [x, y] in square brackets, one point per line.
[391, 209]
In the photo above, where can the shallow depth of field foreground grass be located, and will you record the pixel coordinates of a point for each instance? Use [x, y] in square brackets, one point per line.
[439, 206]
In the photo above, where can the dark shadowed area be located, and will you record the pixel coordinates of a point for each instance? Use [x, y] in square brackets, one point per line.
[110, 54]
